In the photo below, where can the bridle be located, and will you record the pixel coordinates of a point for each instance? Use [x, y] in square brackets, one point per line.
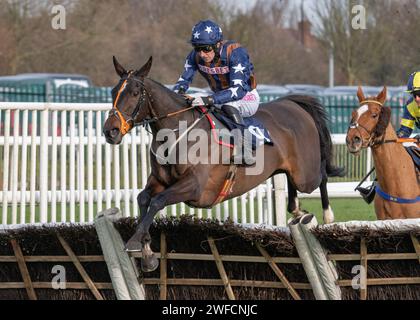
[373, 141]
[355, 125]
[127, 123]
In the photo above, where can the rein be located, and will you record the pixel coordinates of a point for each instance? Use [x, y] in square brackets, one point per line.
[155, 119]
[128, 123]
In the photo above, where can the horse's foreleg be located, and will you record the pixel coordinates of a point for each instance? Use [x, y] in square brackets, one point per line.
[328, 214]
[184, 190]
[293, 205]
[152, 187]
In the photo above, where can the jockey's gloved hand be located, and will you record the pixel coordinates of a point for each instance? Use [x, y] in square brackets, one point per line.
[181, 90]
[202, 101]
[417, 137]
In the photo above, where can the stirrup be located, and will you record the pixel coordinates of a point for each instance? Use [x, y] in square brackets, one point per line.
[368, 194]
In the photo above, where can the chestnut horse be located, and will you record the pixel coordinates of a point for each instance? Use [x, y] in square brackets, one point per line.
[398, 187]
[297, 124]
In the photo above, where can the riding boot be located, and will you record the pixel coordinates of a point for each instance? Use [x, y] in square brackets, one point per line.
[244, 140]
[368, 194]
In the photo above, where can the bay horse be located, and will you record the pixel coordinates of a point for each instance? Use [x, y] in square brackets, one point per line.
[398, 179]
[297, 124]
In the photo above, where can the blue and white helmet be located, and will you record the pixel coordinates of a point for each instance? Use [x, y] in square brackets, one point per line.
[206, 32]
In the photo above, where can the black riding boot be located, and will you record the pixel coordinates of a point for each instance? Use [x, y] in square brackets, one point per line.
[246, 157]
[368, 194]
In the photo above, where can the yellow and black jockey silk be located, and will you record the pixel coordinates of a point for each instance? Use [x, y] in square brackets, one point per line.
[410, 118]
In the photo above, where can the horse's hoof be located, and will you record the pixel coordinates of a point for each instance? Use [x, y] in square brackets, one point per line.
[149, 264]
[133, 246]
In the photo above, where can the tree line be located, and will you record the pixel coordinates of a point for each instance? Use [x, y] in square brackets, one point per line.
[384, 53]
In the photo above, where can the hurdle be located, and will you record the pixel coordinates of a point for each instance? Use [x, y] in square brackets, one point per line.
[121, 267]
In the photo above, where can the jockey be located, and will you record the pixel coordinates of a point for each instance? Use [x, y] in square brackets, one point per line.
[410, 119]
[229, 72]
[411, 116]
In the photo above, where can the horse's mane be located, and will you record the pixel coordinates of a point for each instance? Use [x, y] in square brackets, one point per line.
[383, 121]
[172, 94]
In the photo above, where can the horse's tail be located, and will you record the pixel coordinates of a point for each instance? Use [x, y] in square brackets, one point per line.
[314, 107]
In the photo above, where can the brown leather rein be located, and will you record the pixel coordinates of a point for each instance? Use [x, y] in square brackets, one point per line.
[128, 123]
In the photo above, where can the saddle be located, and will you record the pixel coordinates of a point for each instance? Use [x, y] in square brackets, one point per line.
[218, 120]
[414, 152]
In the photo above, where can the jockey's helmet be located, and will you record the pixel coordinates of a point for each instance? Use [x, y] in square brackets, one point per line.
[413, 82]
[206, 32]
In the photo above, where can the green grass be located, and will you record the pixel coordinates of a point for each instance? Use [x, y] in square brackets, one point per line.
[344, 209]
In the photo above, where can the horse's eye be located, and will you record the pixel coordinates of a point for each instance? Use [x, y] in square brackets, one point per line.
[135, 93]
[374, 115]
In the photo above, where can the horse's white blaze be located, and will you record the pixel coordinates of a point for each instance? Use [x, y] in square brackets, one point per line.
[147, 251]
[361, 111]
[328, 215]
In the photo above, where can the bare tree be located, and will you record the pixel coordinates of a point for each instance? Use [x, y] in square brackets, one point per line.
[372, 55]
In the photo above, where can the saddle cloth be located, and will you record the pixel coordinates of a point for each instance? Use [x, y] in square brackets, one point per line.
[260, 135]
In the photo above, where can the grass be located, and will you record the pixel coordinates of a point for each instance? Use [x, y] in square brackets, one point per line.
[344, 210]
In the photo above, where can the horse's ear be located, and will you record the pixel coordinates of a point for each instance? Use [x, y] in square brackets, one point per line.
[360, 94]
[382, 96]
[144, 71]
[118, 68]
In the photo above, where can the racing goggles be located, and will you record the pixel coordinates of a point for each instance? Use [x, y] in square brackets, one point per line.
[205, 48]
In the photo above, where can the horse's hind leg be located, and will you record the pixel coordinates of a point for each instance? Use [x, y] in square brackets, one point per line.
[328, 214]
[293, 205]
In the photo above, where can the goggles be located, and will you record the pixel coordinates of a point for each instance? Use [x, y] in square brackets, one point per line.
[416, 94]
[205, 48]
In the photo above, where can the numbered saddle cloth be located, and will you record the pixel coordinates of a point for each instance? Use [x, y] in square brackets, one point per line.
[260, 135]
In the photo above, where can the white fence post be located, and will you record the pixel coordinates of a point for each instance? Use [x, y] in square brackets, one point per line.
[280, 199]
[43, 171]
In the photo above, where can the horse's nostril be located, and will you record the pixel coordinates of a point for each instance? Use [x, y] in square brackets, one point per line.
[113, 133]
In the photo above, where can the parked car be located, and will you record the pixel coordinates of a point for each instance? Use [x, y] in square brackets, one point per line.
[306, 89]
[272, 89]
[57, 80]
[351, 91]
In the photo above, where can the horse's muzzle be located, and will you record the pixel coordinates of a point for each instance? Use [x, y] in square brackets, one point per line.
[354, 145]
[112, 136]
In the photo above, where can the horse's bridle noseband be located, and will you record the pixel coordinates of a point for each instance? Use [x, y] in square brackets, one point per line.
[128, 123]
[356, 125]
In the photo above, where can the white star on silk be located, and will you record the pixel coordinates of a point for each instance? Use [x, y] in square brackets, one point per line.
[187, 65]
[234, 91]
[208, 29]
[196, 35]
[220, 30]
[237, 81]
[239, 68]
[181, 79]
